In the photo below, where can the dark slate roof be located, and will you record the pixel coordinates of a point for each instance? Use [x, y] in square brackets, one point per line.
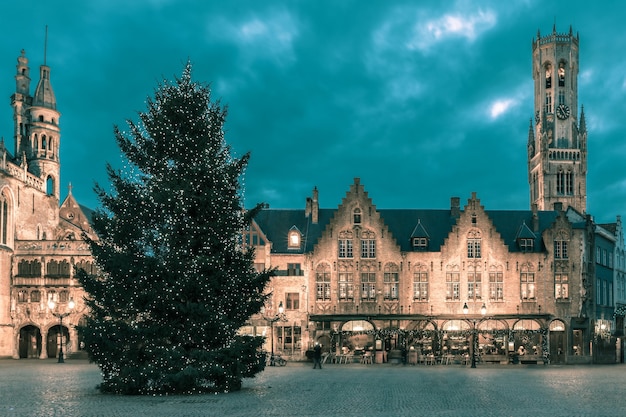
[275, 224]
[401, 223]
[524, 232]
[419, 230]
[508, 223]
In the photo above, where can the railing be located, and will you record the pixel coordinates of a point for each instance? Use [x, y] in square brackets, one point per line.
[42, 281]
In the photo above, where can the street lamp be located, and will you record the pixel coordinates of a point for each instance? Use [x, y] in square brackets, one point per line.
[61, 316]
[483, 311]
[273, 320]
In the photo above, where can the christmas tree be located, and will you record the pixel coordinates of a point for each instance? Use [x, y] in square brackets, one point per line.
[175, 281]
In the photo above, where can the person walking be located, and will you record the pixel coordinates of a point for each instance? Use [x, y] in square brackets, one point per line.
[317, 356]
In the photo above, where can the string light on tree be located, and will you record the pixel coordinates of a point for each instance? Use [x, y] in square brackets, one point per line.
[176, 285]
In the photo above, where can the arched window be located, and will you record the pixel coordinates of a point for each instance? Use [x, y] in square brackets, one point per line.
[548, 76]
[368, 283]
[346, 282]
[562, 74]
[561, 282]
[44, 143]
[356, 216]
[391, 282]
[322, 281]
[474, 282]
[527, 283]
[58, 269]
[4, 218]
[420, 283]
[50, 185]
[560, 246]
[86, 266]
[474, 244]
[64, 296]
[29, 268]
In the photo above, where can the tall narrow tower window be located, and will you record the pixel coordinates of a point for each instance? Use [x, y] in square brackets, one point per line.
[562, 74]
[4, 218]
[565, 183]
[548, 76]
[548, 102]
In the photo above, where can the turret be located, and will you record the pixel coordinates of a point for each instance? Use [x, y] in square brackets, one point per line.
[36, 125]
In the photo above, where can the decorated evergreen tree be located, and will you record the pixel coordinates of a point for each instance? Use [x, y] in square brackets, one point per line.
[175, 281]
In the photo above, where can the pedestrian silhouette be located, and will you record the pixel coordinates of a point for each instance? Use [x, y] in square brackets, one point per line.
[317, 356]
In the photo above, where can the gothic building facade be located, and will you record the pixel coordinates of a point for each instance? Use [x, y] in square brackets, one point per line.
[40, 245]
[542, 284]
[533, 285]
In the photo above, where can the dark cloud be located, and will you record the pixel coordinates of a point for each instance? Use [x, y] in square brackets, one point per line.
[422, 101]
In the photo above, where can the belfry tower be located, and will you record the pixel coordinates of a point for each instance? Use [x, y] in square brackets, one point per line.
[557, 144]
[37, 132]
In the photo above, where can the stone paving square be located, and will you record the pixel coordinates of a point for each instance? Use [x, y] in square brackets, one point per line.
[47, 388]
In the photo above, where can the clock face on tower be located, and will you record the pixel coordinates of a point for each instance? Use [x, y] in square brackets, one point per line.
[562, 112]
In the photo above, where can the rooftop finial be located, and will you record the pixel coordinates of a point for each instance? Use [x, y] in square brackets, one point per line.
[45, 46]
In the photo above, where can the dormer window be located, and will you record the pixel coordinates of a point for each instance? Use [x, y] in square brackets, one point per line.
[420, 243]
[356, 216]
[526, 245]
[294, 238]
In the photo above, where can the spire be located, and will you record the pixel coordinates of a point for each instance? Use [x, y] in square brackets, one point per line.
[44, 96]
[45, 46]
[583, 124]
[531, 133]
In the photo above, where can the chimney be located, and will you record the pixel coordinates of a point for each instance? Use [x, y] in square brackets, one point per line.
[535, 218]
[315, 206]
[307, 208]
[455, 207]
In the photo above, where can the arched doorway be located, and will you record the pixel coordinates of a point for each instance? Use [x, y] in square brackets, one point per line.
[455, 338]
[55, 338]
[30, 342]
[493, 341]
[557, 341]
[357, 337]
[528, 343]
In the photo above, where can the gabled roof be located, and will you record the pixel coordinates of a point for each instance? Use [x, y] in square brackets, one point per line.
[419, 230]
[524, 232]
[276, 223]
[432, 223]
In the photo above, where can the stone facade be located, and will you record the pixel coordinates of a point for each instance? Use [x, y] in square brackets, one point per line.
[40, 239]
[531, 285]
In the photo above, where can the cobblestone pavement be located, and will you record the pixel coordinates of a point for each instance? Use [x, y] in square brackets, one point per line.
[45, 388]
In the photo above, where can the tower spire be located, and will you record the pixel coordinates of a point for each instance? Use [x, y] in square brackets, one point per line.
[45, 46]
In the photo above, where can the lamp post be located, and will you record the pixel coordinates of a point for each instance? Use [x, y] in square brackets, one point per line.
[483, 311]
[273, 320]
[61, 316]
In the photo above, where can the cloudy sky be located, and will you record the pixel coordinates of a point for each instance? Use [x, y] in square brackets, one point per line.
[423, 100]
